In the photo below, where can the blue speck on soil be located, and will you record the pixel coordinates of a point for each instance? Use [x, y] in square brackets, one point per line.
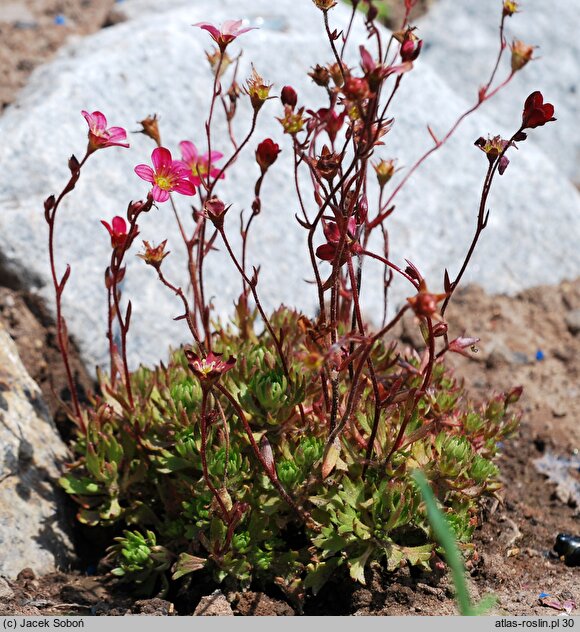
[59, 19]
[539, 355]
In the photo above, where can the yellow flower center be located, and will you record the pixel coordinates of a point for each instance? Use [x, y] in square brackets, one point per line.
[163, 182]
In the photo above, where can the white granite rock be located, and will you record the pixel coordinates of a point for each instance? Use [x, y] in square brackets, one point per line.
[156, 63]
[33, 529]
[461, 35]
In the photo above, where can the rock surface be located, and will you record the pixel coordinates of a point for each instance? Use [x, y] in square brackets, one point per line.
[33, 531]
[461, 37]
[158, 65]
[214, 605]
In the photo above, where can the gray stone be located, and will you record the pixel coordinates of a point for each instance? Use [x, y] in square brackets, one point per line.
[15, 12]
[214, 605]
[6, 591]
[573, 321]
[461, 36]
[149, 64]
[33, 530]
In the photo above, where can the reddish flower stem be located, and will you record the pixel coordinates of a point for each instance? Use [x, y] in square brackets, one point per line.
[61, 328]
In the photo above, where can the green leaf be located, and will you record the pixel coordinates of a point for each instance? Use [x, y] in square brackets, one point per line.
[318, 574]
[357, 565]
[187, 564]
[82, 486]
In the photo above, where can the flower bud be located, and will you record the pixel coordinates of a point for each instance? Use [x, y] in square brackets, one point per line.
[215, 210]
[266, 154]
[289, 96]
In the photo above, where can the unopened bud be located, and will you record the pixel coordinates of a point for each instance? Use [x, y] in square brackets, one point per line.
[289, 96]
[267, 154]
[215, 210]
[267, 454]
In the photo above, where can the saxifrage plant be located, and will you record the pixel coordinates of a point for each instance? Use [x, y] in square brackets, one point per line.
[280, 447]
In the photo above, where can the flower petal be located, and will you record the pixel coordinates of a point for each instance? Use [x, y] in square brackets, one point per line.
[161, 158]
[99, 121]
[159, 195]
[119, 225]
[145, 172]
[188, 152]
[185, 187]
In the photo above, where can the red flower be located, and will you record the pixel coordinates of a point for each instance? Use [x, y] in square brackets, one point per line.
[117, 231]
[327, 251]
[536, 112]
[228, 32]
[209, 369]
[101, 137]
[267, 153]
[169, 175]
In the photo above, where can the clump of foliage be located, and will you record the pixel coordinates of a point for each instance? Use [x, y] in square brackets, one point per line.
[198, 483]
[280, 447]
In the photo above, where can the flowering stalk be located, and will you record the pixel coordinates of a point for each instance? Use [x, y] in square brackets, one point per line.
[50, 209]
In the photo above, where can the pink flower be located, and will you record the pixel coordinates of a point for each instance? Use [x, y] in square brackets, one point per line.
[198, 167]
[169, 175]
[208, 370]
[459, 345]
[117, 231]
[230, 29]
[101, 137]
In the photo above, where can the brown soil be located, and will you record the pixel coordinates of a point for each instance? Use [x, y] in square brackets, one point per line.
[31, 31]
[515, 536]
